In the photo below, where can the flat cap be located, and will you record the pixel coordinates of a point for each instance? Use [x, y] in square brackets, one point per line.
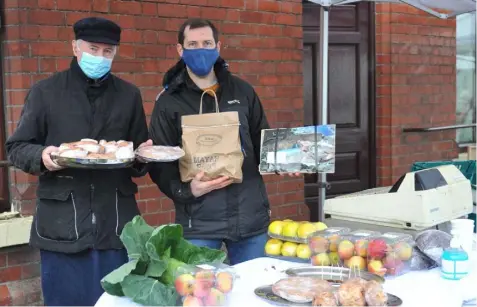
[97, 30]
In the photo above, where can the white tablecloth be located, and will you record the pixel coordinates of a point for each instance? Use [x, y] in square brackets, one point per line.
[416, 289]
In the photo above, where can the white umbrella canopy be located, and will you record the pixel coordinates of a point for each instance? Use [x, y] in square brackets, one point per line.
[443, 9]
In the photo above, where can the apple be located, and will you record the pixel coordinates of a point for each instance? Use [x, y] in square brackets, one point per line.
[357, 262]
[361, 247]
[273, 247]
[290, 229]
[376, 267]
[345, 249]
[224, 281]
[184, 284]
[321, 260]
[377, 249]
[305, 230]
[191, 301]
[392, 260]
[215, 298]
[319, 245]
[334, 258]
[333, 239]
[346, 263]
[206, 277]
[404, 250]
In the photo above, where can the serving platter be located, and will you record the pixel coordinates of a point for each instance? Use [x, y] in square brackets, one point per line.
[92, 163]
[335, 275]
[163, 154]
[266, 293]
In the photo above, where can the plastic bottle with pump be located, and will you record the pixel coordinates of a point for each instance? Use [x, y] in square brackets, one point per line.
[455, 261]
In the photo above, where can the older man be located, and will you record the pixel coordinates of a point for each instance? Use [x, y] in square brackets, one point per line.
[80, 213]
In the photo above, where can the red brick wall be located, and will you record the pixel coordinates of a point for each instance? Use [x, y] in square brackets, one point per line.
[415, 78]
[262, 40]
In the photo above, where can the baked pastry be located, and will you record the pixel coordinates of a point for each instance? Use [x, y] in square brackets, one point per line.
[351, 293]
[374, 294]
[300, 289]
[326, 298]
[73, 153]
[161, 153]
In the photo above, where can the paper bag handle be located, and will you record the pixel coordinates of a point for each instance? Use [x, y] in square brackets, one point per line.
[215, 97]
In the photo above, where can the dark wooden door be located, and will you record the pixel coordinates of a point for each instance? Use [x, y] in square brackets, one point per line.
[350, 104]
[4, 193]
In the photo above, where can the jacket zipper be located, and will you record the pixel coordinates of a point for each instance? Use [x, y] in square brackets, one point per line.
[93, 216]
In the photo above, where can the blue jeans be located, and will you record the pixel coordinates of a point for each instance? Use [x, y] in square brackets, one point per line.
[75, 279]
[238, 251]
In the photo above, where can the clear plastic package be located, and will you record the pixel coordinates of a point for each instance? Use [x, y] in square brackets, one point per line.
[374, 294]
[432, 243]
[159, 154]
[324, 246]
[292, 231]
[288, 251]
[390, 254]
[353, 248]
[300, 289]
[205, 284]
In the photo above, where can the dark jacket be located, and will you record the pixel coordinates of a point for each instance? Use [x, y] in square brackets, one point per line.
[238, 211]
[79, 209]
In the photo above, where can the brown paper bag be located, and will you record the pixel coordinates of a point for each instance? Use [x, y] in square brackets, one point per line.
[211, 143]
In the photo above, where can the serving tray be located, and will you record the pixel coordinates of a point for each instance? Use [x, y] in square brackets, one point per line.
[332, 274]
[173, 154]
[266, 293]
[92, 163]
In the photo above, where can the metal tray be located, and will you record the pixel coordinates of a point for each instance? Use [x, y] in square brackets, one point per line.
[334, 275]
[291, 259]
[267, 294]
[289, 239]
[176, 154]
[92, 163]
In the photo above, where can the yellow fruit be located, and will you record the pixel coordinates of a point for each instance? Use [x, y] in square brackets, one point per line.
[320, 226]
[287, 220]
[303, 251]
[273, 247]
[305, 229]
[276, 227]
[289, 249]
[290, 229]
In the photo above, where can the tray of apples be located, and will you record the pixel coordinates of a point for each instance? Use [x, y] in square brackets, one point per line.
[324, 246]
[204, 285]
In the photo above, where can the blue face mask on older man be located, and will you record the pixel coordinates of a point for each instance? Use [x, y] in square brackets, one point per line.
[200, 61]
[93, 66]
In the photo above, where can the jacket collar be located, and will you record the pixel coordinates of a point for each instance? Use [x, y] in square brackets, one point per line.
[80, 75]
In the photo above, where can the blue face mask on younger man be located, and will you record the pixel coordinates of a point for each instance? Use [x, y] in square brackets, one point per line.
[200, 61]
[94, 67]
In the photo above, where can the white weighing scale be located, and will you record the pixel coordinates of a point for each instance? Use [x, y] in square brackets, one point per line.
[417, 201]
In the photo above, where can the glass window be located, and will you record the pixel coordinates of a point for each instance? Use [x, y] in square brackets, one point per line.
[465, 67]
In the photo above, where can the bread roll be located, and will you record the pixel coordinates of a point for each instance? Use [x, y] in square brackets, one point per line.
[73, 153]
[326, 298]
[374, 294]
[89, 141]
[300, 289]
[351, 293]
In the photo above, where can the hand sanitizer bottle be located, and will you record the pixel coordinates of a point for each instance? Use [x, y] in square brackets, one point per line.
[455, 261]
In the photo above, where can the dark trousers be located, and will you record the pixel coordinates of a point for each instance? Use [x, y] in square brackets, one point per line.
[74, 279]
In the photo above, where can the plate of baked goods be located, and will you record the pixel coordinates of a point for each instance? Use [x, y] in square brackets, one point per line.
[91, 154]
[313, 291]
[159, 153]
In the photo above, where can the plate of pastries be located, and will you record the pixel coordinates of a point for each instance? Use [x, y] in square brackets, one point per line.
[159, 153]
[313, 291]
[89, 153]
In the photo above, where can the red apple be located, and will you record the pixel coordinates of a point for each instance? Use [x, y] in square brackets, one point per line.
[191, 301]
[377, 249]
[361, 247]
[224, 281]
[319, 245]
[345, 249]
[184, 284]
[215, 298]
[357, 262]
[404, 250]
[376, 267]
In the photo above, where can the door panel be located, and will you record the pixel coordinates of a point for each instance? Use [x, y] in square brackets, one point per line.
[349, 99]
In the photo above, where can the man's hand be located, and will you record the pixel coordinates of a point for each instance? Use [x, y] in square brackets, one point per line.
[200, 186]
[45, 157]
[146, 144]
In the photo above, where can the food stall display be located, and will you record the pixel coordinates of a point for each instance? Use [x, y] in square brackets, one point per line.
[289, 239]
